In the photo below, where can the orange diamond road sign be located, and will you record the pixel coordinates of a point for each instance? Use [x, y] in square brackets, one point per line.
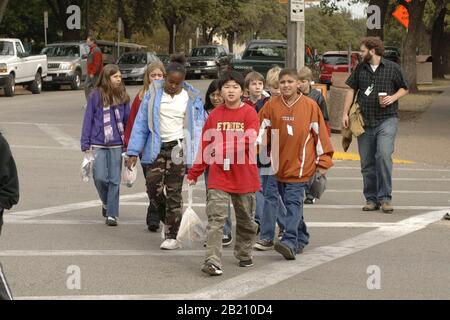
[402, 15]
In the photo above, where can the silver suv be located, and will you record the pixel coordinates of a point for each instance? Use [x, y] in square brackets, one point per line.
[67, 64]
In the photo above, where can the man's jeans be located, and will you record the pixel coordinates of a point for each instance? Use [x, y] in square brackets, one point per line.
[107, 174]
[89, 85]
[273, 208]
[376, 147]
[295, 234]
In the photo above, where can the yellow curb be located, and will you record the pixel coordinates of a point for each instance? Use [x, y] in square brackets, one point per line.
[355, 157]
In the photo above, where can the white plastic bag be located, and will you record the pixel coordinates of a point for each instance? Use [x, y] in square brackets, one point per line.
[192, 228]
[87, 165]
[128, 176]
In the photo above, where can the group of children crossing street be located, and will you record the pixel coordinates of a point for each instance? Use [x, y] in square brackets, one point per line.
[258, 142]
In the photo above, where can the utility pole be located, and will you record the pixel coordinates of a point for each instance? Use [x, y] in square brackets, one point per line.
[45, 26]
[119, 30]
[174, 44]
[87, 18]
[296, 34]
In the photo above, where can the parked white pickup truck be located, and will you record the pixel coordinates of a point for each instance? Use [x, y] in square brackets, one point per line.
[19, 67]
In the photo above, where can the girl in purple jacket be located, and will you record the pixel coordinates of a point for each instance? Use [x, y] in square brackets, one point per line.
[103, 131]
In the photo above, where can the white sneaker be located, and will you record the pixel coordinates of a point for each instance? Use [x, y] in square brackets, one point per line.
[170, 244]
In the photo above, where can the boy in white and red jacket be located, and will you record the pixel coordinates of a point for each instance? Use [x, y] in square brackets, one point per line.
[228, 149]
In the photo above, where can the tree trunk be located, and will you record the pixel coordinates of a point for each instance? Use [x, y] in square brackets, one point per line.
[169, 26]
[59, 10]
[230, 39]
[437, 41]
[383, 5]
[416, 11]
[3, 4]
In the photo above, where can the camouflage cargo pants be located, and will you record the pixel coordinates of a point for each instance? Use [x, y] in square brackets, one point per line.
[246, 227]
[165, 174]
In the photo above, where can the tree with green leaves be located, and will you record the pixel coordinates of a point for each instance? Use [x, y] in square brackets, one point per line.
[3, 5]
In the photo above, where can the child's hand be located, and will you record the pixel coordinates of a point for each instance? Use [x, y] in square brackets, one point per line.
[322, 171]
[191, 182]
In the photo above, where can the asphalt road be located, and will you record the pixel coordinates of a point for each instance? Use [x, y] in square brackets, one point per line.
[55, 244]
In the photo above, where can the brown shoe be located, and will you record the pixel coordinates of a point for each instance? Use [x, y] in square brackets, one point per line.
[387, 207]
[371, 206]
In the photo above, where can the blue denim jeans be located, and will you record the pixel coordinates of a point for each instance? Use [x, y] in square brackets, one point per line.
[295, 233]
[228, 227]
[259, 201]
[107, 174]
[273, 210]
[376, 147]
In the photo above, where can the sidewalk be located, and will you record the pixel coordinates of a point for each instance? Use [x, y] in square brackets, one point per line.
[425, 140]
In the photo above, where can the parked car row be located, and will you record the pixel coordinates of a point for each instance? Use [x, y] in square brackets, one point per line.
[19, 67]
[66, 64]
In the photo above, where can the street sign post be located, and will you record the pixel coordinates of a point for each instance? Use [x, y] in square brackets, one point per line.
[45, 26]
[296, 34]
[119, 30]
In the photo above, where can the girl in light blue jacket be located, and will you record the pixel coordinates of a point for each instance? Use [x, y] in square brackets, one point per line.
[167, 132]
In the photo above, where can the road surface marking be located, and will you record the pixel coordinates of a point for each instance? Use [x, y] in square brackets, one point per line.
[394, 179]
[394, 191]
[39, 124]
[311, 224]
[60, 136]
[273, 273]
[16, 146]
[315, 206]
[395, 169]
[355, 157]
[70, 207]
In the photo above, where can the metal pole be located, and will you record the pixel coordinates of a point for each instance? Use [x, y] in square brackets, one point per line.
[119, 29]
[87, 19]
[197, 36]
[296, 35]
[349, 58]
[300, 45]
[291, 40]
[45, 26]
[174, 38]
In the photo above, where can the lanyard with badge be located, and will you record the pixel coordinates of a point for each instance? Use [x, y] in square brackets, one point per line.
[290, 129]
[370, 89]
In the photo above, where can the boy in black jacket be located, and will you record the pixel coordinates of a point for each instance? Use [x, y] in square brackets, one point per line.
[9, 196]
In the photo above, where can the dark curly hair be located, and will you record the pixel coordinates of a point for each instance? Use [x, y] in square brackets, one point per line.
[374, 43]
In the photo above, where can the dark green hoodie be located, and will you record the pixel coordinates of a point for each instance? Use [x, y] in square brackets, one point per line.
[9, 181]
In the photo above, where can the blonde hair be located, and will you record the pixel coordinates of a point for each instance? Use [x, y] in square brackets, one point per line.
[272, 78]
[305, 73]
[150, 68]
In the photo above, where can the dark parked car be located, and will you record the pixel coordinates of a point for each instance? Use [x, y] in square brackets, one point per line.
[132, 65]
[392, 53]
[164, 58]
[207, 61]
[263, 55]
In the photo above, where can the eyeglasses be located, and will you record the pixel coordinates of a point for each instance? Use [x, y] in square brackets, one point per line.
[215, 96]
